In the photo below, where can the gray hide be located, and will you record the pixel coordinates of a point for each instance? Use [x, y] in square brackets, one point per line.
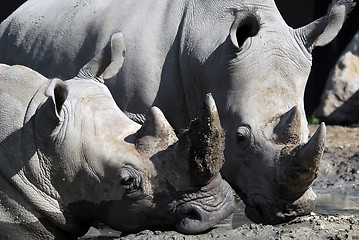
[70, 156]
[241, 51]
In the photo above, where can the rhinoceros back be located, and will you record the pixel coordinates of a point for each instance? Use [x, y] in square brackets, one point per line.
[56, 38]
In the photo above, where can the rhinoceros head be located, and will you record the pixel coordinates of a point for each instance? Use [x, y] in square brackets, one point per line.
[104, 166]
[181, 185]
[266, 64]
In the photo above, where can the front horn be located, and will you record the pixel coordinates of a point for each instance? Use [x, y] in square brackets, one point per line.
[298, 169]
[205, 142]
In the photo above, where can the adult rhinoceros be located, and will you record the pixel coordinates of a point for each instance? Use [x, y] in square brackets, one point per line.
[242, 51]
[69, 155]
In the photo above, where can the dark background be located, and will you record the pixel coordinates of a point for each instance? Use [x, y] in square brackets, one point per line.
[300, 12]
[296, 13]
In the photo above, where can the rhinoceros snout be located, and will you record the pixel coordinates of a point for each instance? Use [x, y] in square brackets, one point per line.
[277, 210]
[207, 209]
[260, 210]
[191, 220]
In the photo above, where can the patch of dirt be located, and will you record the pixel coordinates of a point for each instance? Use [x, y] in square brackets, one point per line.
[339, 170]
[339, 176]
[308, 227]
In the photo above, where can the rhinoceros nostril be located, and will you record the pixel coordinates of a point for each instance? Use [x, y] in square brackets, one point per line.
[190, 212]
[259, 210]
[256, 209]
[191, 220]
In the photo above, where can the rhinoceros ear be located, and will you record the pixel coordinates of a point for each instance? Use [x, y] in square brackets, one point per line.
[108, 62]
[57, 92]
[325, 29]
[245, 25]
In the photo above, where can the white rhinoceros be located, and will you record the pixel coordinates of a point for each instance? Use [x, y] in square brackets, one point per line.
[70, 156]
[241, 51]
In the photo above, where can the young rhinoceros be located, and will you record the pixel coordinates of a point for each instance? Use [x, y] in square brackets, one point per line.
[70, 156]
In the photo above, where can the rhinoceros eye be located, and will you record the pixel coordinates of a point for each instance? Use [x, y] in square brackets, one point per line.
[128, 182]
[243, 135]
[130, 179]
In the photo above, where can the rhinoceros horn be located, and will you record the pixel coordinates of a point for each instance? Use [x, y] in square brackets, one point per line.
[205, 141]
[155, 135]
[300, 167]
[287, 131]
[201, 145]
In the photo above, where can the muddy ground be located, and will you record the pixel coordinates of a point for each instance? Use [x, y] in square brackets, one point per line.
[335, 217]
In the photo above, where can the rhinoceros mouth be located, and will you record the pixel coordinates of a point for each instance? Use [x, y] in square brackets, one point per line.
[196, 219]
[257, 209]
[274, 211]
[260, 209]
[202, 210]
[191, 219]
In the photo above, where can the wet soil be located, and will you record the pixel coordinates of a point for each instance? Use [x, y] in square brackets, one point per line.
[339, 171]
[337, 210]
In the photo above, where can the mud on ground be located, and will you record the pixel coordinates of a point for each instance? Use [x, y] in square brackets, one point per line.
[335, 219]
[339, 171]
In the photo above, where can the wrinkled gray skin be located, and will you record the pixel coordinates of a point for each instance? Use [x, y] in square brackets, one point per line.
[241, 51]
[70, 156]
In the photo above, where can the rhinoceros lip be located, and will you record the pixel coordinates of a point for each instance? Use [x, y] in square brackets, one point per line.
[191, 220]
[258, 215]
[253, 210]
[200, 213]
[190, 212]
[261, 210]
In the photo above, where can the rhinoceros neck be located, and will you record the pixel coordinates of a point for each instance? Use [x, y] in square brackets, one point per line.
[33, 160]
[34, 179]
[21, 87]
